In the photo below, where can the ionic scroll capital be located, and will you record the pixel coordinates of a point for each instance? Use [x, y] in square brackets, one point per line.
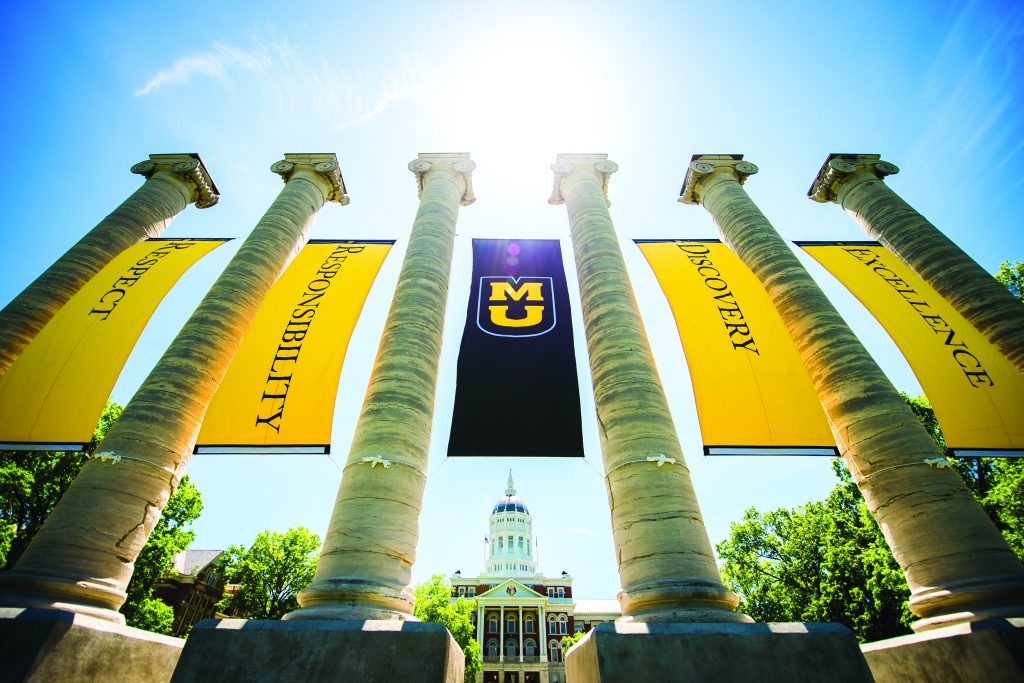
[188, 167]
[322, 165]
[706, 167]
[840, 172]
[458, 163]
[595, 165]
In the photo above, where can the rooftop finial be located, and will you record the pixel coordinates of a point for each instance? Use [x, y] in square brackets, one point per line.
[510, 489]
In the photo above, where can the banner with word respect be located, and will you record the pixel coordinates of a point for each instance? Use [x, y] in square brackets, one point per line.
[753, 393]
[978, 396]
[278, 395]
[54, 393]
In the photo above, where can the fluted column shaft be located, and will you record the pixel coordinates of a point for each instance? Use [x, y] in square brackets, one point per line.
[666, 565]
[172, 182]
[855, 183]
[957, 564]
[365, 567]
[81, 559]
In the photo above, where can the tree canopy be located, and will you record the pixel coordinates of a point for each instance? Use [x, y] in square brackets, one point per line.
[1012, 277]
[434, 603]
[270, 573]
[32, 483]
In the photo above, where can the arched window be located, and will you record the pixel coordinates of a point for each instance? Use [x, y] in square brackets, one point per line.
[528, 623]
[552, 624]
[510, 648]
[492, 624]
[511, 626]
[562, 623]
[492, 648]
[501, 543]
[554, 651]
[529, 647]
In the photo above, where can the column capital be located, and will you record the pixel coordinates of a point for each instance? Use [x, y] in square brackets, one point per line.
[324, 165]
[190, 167]
[705, 166]
[458, 163]
[596, 164]
[841, 170]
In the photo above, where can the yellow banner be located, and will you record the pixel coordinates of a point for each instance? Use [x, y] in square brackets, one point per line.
[753, 393]
[278, 395]
[53, 394]
[978, 396]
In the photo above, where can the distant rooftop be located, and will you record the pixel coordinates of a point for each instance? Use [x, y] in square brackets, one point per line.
[191, 562]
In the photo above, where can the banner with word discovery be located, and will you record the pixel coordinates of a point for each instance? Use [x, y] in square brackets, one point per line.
[278, 395]
[517, 392]
[978, 396]
[753, 393]
[54, 393]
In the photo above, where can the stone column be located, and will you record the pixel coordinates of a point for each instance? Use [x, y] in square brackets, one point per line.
[501, 634]
[957, 564]
[854, 181]
[520, 633]
[365, 567]
[173, 181]
[543, 635]
[480, 614]
[81, 559]
[666, 565]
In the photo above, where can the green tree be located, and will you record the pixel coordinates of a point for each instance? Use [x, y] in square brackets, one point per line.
[270, 573]
[31, 483]
[1012, 277]
[570, 640]
[434, 603]
[170, 536]
[823, 561]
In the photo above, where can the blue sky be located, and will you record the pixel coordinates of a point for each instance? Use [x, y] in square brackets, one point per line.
[91, 89]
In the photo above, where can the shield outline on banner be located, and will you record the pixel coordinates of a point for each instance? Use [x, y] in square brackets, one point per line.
[516, 280]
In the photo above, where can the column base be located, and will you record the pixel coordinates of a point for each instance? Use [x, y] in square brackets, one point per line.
[53, 646]
[990, 650]
[656, 653]
[238, 650]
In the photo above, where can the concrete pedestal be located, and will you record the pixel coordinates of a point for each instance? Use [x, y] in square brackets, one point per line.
[50, 646]
[655, 653]
[991, 651]
[237, 650]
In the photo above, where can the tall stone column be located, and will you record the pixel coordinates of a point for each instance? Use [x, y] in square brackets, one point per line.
[173, 181]
[854, 181]
[364, 570]
[957, 564]
[81, 559]
[666, 565]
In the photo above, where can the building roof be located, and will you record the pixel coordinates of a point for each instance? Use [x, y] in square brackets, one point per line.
[509, 504]
[191, 562]
[582, 607]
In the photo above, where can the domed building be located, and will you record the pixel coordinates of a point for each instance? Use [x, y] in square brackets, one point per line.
[521, 615]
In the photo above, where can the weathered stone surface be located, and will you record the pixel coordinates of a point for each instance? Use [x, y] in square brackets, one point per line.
[991, 651]
[652, 653]
[50, 646]
[237, 650]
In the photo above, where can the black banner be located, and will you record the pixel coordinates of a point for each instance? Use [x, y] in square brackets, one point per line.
[517, 392]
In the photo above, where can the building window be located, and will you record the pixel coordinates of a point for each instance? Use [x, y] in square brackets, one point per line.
[520, 544]
[501, 543]
[511, 625]
[552, 625]
[551, 592]
[554, 651]
[528, 623]
[510, 648]
[561, 592]
[529, 648]
[492, 648]
[577, 627]
[471, 591]
[462, 592]
[528, 544]
[562, 622]
[492, 624]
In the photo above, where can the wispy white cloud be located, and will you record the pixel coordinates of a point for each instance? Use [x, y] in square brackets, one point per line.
[582, 531]
[214, 63]
[300, 79]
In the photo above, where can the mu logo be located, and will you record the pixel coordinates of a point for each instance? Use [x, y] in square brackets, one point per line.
[516, 307]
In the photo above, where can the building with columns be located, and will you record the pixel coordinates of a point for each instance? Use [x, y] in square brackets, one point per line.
[521, 615]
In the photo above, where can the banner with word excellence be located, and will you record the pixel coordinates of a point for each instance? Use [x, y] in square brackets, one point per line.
[278, 395]
[53, 394]
[517, 392]
[977, 395]
[753, 393]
